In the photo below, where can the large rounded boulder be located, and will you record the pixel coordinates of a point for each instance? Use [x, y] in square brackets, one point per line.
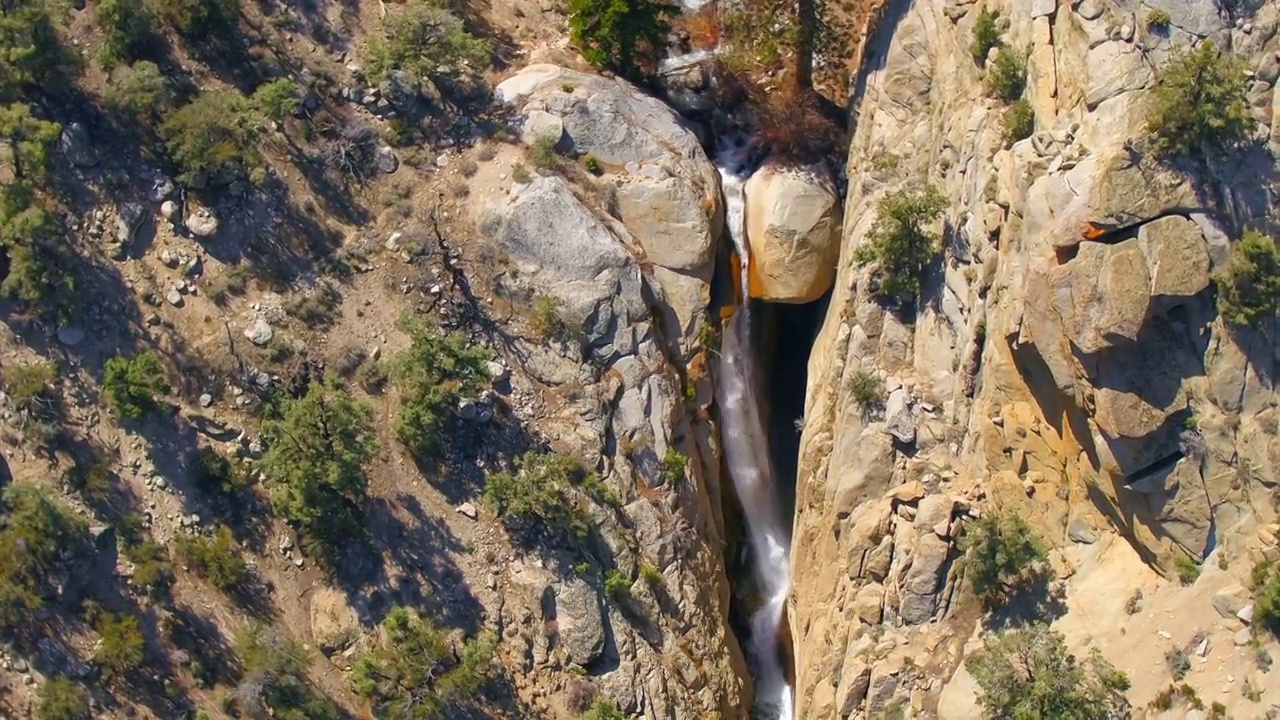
[793, 226]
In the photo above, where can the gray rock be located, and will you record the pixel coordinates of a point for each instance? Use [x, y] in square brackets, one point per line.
[75, 144]
[539, 124]
[1229, 601]
[385, 158]
[923, 581]
[1090, 9]
[170, 211]
[1081, 530]
[467, 510]
[202, 223]
[576, 611]
[70, 336]
[497, 371]
[128, 221]
[1243, 637]
[1041, 8]
[902, 427]
[1246, 614]
[162, 189]
[259, 332]
[475, 410]
[174, 297]
[206, 400]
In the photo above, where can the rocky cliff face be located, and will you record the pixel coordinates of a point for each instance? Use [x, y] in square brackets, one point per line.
[1089, 385]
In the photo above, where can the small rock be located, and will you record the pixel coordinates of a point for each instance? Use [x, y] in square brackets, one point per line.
[1203, 648]
[161, 189]
[206, 400]
[1126, 32]
[1081, 530]
[152, 320]
[128, 221]
[174, 297]
[468, 510]
[375, 352]
[1243, 637]
[259, 333]
[299, 562]
[170, 211]
[393, 242]
[442, 161]
[385, 159]
[202, 223]
[74, 143]
[286, 544]
[1246, 614]
[1164, 634]
[497, 371]
[70, 336]
[28, 680]
[907, 492]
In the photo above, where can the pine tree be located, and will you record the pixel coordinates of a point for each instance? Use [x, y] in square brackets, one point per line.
[625, 36]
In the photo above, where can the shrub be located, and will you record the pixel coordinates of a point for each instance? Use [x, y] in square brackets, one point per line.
[276, 99]
[62, 699]
[28, 385]
[1004, 558]
[898, 246]
[604, 709]
[1266, 596]
[1179, 662]
[986, 35]
[30, 140]
[315, 463]
[548, 321]
[200, 19]
[214, 559]
[274, 679]
[29, 46]
[617, 586]
[867, 390]
[129, 28]
[1199, 103]
[426, 41]
[216, 474]
[543, 153]
[35, 536]
[372, 377]
[152, 571]
[1157, 20]
[1007, 78]
[1188, 570]
[673, 467]
[435, 372]
[413, 672]
[580, 694]
[537, 496]
[652, 576]
[1249, 290]
[139, 91]
[1028, 673]
[213, 138]
[1019, 121]
[625, 36]
[520, 174]
[592, 164]
[131, 385]
[122, 648]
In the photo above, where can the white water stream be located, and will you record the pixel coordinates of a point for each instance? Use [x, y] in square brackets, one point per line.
[747, 453]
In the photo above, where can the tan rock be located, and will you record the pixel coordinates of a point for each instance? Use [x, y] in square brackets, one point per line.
[334, 624]
[907, 492]
[1102, 295]
[1177, 256]
[867, 604]
[793, 223]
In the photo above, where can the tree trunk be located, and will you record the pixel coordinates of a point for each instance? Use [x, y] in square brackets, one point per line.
[807, 24]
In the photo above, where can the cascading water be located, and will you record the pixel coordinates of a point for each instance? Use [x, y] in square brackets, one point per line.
[746, 451]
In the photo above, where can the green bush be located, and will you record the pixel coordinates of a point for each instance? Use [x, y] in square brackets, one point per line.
[1004, 558]
[537, 496]
[28, 385]
[62, 699]
[1249, 290]
[316, 460]
[1187, 569]
[122, 648]
[35, 536]
[152, 571]
[214, 139]
[200, 19]
[128, 28]
[674, 464]
[544, 154]
[276, 99]
[215, 559]
[132, 385]
[898, 247]
[548, 318]
[433, 374]
[140, 92]
[426, 41]
[625, 36]
[1007, 78]
[520, 174]
[604, 709]
[215, 474]
[986, 35]
[1199, 103]
[652, 576]
[414, 674]
[592, 164]
[1157, 20]
[29, 45]
[617, 586]
[29, 141]
[1028, 673]
[1266, 597]
[868, 393]
[274, 679]
[1019, 121]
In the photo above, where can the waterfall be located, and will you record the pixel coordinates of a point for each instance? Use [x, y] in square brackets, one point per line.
[747, 454]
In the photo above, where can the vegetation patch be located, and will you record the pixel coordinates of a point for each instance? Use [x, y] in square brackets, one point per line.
[1249, 290]
[538, 497]
[899, 249]
[1004, 558]
[133, 385]
[433, 374]
[1199, 104]
[625, 36]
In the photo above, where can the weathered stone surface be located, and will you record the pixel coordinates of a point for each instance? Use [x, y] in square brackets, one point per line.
[259, 332]
[1114, 68]
[1102, 295]
[792, 221]
[867, 604]
[202, 223]
[76, 145]
[1177, 256]
[334, 624]
[580, 623]
[923, 581]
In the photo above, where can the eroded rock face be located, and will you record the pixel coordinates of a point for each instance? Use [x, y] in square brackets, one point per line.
[793, 223]
[631, 290]
[1067, 362]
